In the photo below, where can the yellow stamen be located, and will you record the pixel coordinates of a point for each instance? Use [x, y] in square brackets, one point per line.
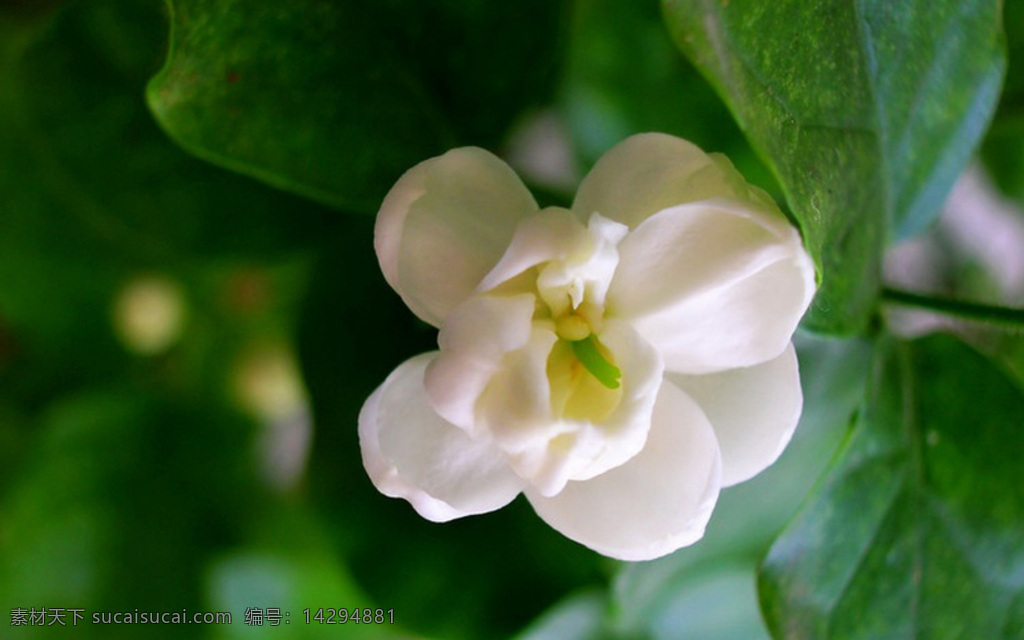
[572, 328]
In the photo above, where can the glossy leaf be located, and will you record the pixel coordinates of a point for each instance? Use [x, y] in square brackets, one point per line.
[720, 605]
[748, 516]
[915, 530]
[624, 76]
[866, 110]
[334, 100]
[1003, 149]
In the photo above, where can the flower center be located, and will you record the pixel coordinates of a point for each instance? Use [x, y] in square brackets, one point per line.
[577, 329]
[577, 393]
[583, 376]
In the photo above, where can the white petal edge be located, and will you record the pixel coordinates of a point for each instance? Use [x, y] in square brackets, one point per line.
[547, 450]
[445, 224]
[550, 234]
[410, 452]
[649, 172]
[754, 412]
[624, 433]
[658, 502]
[474, 339]
[713, 285]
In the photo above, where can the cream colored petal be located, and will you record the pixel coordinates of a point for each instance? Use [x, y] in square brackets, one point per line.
[649, 172]
[516, 407]
[410, 452]
[444, 226]
[657, 502]
[713, 285]
[550, 234]
[474, 339]
[549, 448]
[754, 411]
[625, 431]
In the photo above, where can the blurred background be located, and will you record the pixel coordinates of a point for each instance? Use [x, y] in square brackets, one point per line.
[184, 349]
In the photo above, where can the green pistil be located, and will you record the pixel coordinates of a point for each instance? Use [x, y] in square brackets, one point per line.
[588, 352]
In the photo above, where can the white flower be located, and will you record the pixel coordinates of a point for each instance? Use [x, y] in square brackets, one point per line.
[618, 363]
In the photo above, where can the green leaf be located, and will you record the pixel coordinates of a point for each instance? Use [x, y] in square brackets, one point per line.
[915, 530]
[334, 100]
[719, 605]
[121, 487]
[1009, 349]
[1003, 149]
[866, 111]
[750, 515]
[288, 564]
[1013, 23]
[93, 194]
[579, 617]
[625, 76]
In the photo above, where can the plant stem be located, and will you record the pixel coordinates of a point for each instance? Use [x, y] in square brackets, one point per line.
[1006, 316]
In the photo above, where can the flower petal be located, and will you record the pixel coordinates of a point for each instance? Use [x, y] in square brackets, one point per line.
[657, 502]
[549, 450]
[550, 234]
[649, 172]
[445, 224]
[474, 339]
[713, 285]
[410, 452]
[753, 410]
[625, 431]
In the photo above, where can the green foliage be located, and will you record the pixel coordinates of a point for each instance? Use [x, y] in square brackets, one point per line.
[335, 100]
[140, 480]
[288, 563]
[1003, 151]
[93, 194]
[866, 111]
[102, 506]
[124, 477]
[915, 530]
[624, 76]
